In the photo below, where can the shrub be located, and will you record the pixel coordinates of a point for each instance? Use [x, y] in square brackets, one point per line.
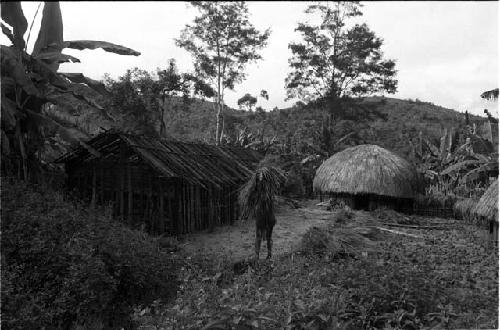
[435, 201]
[63, 265]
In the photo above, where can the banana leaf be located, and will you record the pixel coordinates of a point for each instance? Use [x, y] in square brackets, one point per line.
[9, 113]
[460, 166]
[55, 57]
[81, 79]
[14, 69]
[50, 36]
[12, 14]
[6, 30]
[106, 46]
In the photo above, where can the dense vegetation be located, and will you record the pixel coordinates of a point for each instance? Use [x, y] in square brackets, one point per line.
[64, 264]
[388, 122]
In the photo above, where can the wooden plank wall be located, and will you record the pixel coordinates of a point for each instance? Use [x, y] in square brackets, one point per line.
[156, 204]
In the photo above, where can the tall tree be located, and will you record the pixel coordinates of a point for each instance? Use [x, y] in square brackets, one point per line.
[335, 59]
[141, 99]
[222, 41]
[247, 101]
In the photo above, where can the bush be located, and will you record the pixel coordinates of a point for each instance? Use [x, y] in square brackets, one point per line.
[435, 201]
[63, 265]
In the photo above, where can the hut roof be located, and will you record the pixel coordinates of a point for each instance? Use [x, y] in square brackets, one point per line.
[197, 163]
[487, 206]
[368, 169]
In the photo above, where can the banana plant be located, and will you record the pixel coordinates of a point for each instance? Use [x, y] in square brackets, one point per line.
[31, 83]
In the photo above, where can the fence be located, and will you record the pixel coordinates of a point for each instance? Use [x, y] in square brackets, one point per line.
[432, 212]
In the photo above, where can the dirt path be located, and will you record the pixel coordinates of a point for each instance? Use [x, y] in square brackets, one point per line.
[237, 241]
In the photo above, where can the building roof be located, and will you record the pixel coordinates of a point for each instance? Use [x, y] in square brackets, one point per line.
[487, 206]
[368, 169]
[197, 163]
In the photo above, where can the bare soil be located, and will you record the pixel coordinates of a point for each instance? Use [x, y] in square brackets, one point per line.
[237, 241]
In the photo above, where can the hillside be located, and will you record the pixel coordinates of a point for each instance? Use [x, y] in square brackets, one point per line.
[388, 122]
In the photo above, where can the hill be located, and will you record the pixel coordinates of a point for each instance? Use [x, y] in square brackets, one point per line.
[387, 122]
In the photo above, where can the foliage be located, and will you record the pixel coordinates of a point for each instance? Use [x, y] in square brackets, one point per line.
[490, 95]
[264, 94]
[222, 42]
[30, 82]
[335, 60]
[63, 264]
[458, 165]
[446, 280]
[247, 101]
[142, 100]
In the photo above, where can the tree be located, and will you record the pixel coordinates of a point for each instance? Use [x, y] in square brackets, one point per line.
[134, 101]
[222, 42]
[141, 99]
[31, 83]
[491, 95]
[185, 85]
[247, 101]
[264, 94]
[335, 60]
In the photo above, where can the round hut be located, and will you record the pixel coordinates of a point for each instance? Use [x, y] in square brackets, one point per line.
[367, 177]
[486, 210]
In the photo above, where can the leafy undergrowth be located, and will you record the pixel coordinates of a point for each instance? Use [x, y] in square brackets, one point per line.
[67, 267]
[446, 280]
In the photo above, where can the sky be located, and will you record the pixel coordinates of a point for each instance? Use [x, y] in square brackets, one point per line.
[445, 52]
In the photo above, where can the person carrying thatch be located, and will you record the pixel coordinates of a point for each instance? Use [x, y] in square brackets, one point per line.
[256, 200]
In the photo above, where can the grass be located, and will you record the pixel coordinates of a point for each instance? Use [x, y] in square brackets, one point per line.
[447, 280]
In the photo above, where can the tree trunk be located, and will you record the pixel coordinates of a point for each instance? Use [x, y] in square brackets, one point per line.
[217, 129]
[162, 119]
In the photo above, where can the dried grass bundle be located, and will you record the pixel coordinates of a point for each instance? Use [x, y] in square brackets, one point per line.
[464, 208]
[335, 242]
[256, 196]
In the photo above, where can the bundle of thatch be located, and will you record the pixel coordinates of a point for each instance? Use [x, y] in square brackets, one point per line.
[487, 207]
[257, 194]
[336, 242]
[463, 209]
[368, 169]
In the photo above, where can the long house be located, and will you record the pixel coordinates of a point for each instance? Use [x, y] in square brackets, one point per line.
[162, 186]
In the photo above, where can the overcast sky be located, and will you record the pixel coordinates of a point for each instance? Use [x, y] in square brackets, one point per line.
[445, 52]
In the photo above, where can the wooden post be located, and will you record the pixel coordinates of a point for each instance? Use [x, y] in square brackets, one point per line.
[160, 202]
[102, 199]
[150, 203]
[122, 192]
[130, 194]
[94, 183]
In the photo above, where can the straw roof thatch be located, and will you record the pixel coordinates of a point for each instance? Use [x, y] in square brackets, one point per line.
[368, 169]
[197, 163]
[487, 207]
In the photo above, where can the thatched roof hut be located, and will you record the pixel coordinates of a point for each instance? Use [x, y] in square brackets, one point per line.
[165, 186]
[487, 207]
[368, 170]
